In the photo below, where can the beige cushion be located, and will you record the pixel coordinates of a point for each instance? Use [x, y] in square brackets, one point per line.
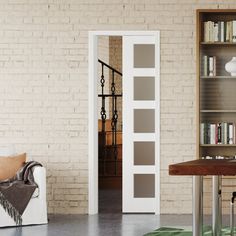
[10, 165]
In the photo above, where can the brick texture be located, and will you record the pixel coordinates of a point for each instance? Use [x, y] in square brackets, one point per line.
[44, 88]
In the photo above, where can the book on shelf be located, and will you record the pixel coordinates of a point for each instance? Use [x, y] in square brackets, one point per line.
[221, 31]
[231, 134]
[218, 133]
[212, 133]
[215, 32]
[209, 65]
[234, 31]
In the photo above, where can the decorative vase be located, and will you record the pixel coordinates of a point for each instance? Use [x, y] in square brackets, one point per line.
[231, 66]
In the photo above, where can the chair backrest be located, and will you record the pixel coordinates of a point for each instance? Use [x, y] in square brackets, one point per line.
[7, 150]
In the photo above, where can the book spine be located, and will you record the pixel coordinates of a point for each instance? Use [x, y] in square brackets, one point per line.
[205, 32]
[222, 33]
[216, 32]
[234, 141]
[216, 134]
[231, 31]
[211, 66]
[227, 32]
[231, 133]
[205, 134]
[212, 133]
[208, 134]
[219, 31]
[219, 133]
[212, 31]
[234, 31]
[222, 133]
[226, 133]
[214, 65]
[202, 133]
[205, 65]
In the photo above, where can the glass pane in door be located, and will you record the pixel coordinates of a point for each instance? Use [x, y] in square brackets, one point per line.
[144, 55]
[144, 153]
[144, 120]
[144, 88]
[144, 185]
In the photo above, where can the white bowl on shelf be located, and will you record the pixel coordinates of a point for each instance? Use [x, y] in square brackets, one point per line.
[231, 66]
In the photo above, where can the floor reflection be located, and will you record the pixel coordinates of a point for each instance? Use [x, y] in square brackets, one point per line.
[106, 224]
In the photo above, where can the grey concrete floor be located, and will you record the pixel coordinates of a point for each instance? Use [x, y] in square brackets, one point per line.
[109, 222]
[110, 201]
[106, 224]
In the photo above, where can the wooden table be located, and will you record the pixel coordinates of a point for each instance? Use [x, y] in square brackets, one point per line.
[199, 168]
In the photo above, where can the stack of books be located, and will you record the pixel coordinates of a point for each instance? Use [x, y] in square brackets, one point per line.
[221, 31]
[217, 133]
[209, 65]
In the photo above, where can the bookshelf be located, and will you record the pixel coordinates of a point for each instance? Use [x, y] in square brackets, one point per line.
[216, 92]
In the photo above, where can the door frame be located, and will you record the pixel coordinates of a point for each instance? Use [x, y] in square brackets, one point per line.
[93, 117]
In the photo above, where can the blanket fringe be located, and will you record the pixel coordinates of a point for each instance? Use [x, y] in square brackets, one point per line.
[11, 210]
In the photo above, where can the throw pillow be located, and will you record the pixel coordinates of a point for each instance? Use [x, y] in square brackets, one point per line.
[10, 165]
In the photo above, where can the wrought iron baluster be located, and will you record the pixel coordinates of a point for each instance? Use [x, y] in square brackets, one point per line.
[103, 117]
[115, 117]
[113, 89]
[114, 120]
[102, 81]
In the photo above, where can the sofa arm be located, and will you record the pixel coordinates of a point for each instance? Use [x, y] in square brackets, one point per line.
[39, 173]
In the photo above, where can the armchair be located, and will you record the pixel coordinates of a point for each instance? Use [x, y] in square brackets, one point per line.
[36, 210]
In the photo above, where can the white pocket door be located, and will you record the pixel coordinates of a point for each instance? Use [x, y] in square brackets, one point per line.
[141, 131]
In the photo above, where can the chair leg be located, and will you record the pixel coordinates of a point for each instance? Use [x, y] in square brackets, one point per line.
[216, 206]
[232, 214]
[231, 218]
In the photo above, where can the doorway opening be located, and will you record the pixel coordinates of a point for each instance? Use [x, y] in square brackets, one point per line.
[109, 112]
[140, 130]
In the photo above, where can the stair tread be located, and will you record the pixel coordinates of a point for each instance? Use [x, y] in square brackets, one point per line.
[110, 131]
[111, 146]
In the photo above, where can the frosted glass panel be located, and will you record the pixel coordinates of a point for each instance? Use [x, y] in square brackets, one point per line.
[144, 55]
[144, 120]
[144, 88]
[144, 185]
[144, 153]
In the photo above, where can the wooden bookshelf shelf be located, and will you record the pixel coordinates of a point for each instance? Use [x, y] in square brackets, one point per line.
[218, 145]
[219, 77]
[218, 43]
[216, 95]
[218, 111]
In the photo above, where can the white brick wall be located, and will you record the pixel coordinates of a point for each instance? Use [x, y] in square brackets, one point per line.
[44, 87]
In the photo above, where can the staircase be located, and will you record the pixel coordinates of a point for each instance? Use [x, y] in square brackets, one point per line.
[110, 165]
[109, 138]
